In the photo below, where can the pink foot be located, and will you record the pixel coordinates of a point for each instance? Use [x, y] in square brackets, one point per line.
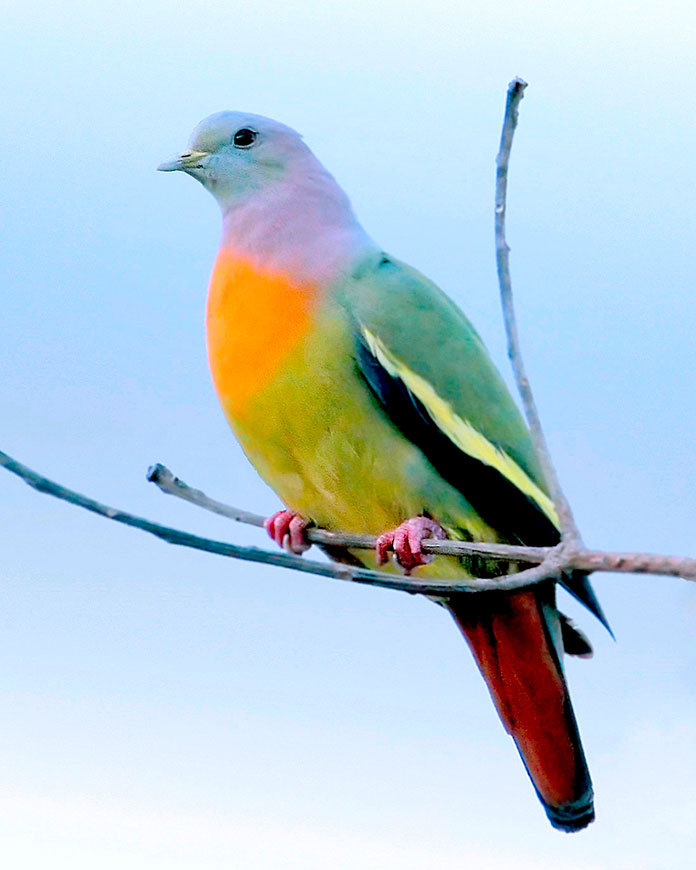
[406, 542]
[287, 529]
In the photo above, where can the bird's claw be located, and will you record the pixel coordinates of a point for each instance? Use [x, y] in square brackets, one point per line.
[287, 529]
[406, 542]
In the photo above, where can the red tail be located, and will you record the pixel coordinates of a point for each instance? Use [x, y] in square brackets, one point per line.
[509, 636]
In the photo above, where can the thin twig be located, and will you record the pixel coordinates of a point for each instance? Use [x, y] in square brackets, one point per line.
[632, 563]
[580, 559]
[569, 530]
[252, 554]
[555, 560]
[171, 485]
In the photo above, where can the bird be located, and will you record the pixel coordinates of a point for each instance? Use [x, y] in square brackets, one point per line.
[368, 402]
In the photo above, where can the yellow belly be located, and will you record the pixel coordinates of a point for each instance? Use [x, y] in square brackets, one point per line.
[284, 370]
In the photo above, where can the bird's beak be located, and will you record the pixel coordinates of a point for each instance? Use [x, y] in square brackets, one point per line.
[187, 160]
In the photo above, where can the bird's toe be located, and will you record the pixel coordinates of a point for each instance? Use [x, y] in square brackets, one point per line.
[407, 542]
[288, 529]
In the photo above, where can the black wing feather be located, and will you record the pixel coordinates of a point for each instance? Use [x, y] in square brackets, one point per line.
[497, 501]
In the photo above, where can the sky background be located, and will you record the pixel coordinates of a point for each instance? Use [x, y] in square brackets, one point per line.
[166, 708]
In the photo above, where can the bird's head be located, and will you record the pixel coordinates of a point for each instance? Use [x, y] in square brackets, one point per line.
[234, 154]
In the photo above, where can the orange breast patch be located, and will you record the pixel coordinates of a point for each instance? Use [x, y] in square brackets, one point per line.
[254, 320]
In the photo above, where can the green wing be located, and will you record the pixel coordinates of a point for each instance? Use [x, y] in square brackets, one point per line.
[435, 380]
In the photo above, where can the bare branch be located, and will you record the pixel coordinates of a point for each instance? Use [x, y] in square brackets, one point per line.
[554, 561]
[252, 554]
[171, 485]
[580, 559]
[633, 563]
[569, 530]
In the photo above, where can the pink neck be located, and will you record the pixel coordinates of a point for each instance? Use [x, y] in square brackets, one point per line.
[308, 233]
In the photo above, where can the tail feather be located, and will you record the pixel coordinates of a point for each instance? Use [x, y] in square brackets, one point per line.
[511, 639]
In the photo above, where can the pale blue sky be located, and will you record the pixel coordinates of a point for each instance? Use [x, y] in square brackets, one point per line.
[164, 708]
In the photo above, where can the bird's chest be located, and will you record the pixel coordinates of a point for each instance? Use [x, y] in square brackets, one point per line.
[255, 321]
[281, 364]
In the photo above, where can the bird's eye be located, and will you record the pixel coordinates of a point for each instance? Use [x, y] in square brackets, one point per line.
[245, 137]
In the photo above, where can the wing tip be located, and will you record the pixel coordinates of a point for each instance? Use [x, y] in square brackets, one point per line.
[579, 587]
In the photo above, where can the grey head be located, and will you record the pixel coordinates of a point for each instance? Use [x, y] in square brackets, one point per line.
[234, 154]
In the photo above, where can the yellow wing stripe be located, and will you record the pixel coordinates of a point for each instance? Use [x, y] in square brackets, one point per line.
[458, 430]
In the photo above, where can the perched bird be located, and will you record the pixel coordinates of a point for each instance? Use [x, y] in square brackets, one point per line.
[368, 402]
